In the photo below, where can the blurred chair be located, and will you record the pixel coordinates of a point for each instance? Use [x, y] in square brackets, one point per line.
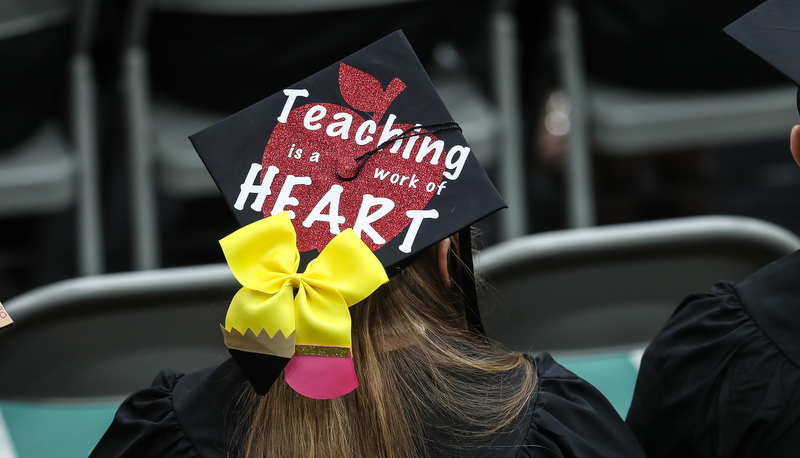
[108, 335]
[621, 121]
[615, 286]
[52, 171]
[163, 160]
[80, 346]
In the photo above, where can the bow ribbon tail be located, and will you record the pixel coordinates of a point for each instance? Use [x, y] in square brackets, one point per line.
[322, 365]
[345, 273]
[262, 370]
[261, 356]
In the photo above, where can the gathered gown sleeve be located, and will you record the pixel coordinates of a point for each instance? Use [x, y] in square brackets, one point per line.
[146, 425]
[571, 418]
[722, 378]
[179, 416]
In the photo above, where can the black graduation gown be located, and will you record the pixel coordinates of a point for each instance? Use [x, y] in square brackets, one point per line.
[193, 416]
[722, 378]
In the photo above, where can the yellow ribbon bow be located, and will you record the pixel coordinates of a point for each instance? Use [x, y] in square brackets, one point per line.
[264, 259]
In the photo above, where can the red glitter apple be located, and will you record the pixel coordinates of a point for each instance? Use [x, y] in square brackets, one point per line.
[319, 141]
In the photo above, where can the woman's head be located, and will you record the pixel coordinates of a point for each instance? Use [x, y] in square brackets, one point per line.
[344, 181]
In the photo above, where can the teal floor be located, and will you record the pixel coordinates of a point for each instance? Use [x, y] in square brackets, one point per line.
[614, 374]
[60, 430]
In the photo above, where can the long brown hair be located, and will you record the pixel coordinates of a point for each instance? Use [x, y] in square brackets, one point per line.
[426, 382]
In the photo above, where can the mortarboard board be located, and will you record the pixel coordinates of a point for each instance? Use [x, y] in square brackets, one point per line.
[362, 150]
[772, 31]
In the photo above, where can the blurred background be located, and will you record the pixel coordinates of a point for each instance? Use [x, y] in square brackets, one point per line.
[584, 112]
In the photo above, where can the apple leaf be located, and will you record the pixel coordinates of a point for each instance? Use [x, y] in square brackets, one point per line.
[365, 93]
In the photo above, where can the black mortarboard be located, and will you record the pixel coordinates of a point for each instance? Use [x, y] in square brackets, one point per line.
[311, 149]
[772, 31]
[365, 144]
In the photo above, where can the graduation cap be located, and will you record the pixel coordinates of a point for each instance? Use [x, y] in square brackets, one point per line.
[361, 154]
[772, 31]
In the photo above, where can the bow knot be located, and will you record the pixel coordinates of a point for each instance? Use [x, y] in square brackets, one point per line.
[296, 277]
